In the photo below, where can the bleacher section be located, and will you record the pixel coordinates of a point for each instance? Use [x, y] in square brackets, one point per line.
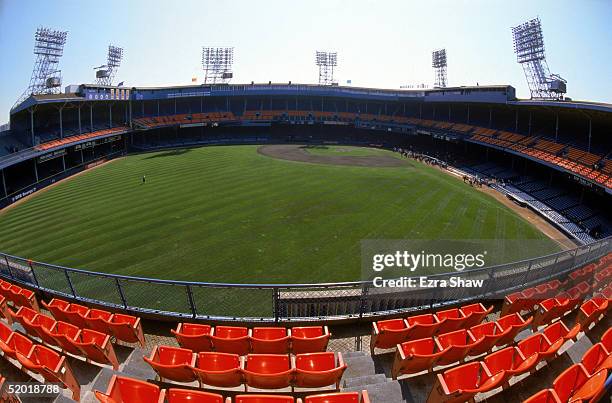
[79, 138]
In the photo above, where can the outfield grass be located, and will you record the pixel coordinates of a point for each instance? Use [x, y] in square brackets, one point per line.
[229, 214]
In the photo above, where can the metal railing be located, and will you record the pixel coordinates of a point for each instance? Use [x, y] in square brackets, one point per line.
[286, 302]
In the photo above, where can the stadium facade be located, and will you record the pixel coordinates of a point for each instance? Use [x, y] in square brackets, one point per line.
[552, 156]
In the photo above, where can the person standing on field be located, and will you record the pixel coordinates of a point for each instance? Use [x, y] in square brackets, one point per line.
[144, 179]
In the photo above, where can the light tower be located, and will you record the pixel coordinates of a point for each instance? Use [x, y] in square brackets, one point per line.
[326, 62]
[46, 77]
[529, 48]
[217, 64]
[106, 73]
[438, 62]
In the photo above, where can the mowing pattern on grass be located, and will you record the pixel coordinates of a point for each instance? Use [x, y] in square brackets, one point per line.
[230, 214]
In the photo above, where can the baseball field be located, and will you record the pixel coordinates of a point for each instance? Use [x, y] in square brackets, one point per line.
[269, 214]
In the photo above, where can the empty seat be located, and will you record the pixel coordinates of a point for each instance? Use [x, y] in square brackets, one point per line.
[596, 358]
[606, 340]
[309, 339]
[451, 320]
[511, 361]
[454, 345]
[98, 319]
[57, 307]
[218, 369]
[575, 384]
[97, 347]
[342, 397]
[475, 313]
[40, 326]
[268, 371]
[172, 363]
[270, 340]
[422, 326]
[538, 344]
[65, 335]
[388, 333]
[127, 328]
[52, 366]
[263, 399]
[558, 330]
[231, 339]
[416, 356]
[5, 310]
[316, 370]
[121, 389]
[23, 315]
[462, 383]
[487, 335]
[24, 297]
[193, 336]
[5, 333]
[76, 315]
[175, 395]
[17, 343]
[511, 326]
[550, 309]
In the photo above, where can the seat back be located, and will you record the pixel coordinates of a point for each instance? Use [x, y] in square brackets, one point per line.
[176, 395]
[193, 336]
[309, 339]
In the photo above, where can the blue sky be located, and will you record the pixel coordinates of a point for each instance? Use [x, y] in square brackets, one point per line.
[379, 43]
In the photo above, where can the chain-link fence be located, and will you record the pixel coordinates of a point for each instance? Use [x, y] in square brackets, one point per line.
[287, 302]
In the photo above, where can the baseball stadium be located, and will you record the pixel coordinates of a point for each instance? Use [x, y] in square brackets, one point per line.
[224, 242]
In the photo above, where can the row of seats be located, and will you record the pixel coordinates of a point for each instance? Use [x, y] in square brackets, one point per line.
[389, 333]
[128, 390]
[423, 354]
[264, 371]
[123, 327]
[87, 343]
[39, 359]
[259, 340]
[73, 139]
[462, 383]
[18, 296]
[160, 121]
[584, 381]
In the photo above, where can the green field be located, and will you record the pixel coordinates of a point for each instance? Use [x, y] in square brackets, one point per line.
[344, 151]
[229, 214]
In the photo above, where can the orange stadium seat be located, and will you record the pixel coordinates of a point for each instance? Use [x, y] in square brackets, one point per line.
[231, 339]
[98, 319]
[65, 335]
[5, 310]
[76, 315]
[539, 344]
[455, 346]
[574, 384]
[309, 339]
[218, 369]
[388, 333]
[128, 390]
[416, 356]
[175, 395]
[127, 328]
[270, 340]
[511, 326]
[462, 383]
[193, 336]
[18, 343]
[511, 361]
[97, 347]
[22, 315]
[5, 334]
[474, 313]
[422, 326]
[58, 307]
[52, 366]
[487, 336]
[451, 319]
[342, 397]
[40, 326]
[172, 363]
[597, 358]
[544, 396]
[316, 370]
[589, 313]
[268, 371]
[558, 330]
[606, 339]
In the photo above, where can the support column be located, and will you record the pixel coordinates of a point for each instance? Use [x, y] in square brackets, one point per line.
[529, 130]
[434, 112]
[449, 113]
[110, 115]
[4, 182]
[91, 117]
[64, 162]
[490, 117]
[420, 111]
[32, 124]
[468, 115]
[516, 121]
[79, 112]
[556, 126]
[590, 127]
[35, 169]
